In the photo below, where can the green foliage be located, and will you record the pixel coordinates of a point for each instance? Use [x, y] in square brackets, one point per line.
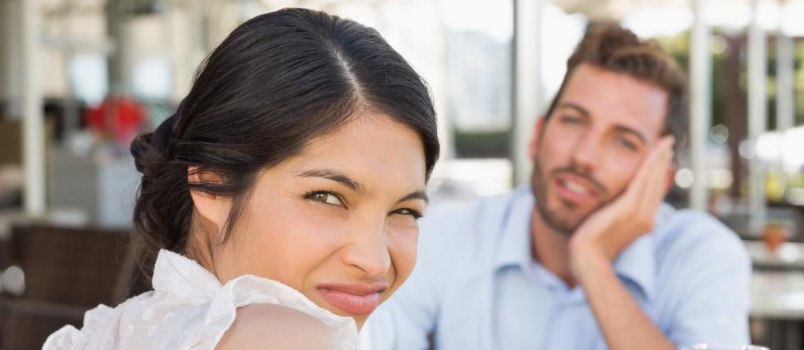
[679, 45]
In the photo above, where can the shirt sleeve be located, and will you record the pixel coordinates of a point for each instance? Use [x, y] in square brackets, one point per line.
[708, 287]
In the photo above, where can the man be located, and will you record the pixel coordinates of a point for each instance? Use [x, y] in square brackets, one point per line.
[587, 257]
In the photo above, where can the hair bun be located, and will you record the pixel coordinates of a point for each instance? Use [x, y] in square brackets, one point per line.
[151, 147]
[140, 148]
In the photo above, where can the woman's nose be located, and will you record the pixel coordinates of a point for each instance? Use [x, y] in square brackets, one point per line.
[369, 251]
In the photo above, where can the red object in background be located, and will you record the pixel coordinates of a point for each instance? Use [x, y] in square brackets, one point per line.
[773, 235]
[118, 118]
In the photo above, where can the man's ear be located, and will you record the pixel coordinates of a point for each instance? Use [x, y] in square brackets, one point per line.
[535, 140]
[212, 209]
[670, 178]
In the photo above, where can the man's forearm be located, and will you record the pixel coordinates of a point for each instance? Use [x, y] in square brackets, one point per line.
[622, 321]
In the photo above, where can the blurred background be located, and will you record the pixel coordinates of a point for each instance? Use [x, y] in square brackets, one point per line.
[80, 78]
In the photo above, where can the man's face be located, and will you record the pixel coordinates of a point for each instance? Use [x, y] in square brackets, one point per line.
[588, 149]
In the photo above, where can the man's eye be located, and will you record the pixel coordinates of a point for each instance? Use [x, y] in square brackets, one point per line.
[324, 197]
[627, 144]
[405, 211]
[570, 119]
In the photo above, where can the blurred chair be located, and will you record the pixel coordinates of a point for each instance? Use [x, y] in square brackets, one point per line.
[67, 272]
[11, 134]
[789, 216]
[5, 254]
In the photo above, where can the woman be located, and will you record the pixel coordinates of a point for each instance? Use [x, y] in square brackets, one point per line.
[278, 205]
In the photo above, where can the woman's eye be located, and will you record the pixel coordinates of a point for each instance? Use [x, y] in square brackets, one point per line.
[324, 197]
[405, 211]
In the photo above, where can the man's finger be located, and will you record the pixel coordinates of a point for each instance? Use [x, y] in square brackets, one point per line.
[647, 170]
[655, 183]
[657, 189]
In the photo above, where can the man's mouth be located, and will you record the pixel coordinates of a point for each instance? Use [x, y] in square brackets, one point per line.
[573, 189]
[576, 188]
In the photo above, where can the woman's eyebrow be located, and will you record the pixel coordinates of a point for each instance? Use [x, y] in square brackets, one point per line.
[334, 176]
[341, 178]
[415, 195]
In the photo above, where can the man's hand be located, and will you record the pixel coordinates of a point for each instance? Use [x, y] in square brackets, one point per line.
[615, 226]
[601, 238]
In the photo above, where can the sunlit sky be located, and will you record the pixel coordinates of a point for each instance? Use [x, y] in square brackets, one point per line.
[492, 17]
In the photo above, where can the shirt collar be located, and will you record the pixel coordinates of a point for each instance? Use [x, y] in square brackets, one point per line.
[184, 277]
[636, 264]
[514, 245]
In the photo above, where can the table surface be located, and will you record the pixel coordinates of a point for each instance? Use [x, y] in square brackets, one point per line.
[787, 256]
[777, 295]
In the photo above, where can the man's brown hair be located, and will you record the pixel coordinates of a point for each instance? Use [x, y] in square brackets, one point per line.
[616, 49]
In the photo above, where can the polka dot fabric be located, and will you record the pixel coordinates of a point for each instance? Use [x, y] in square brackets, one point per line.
[188, 309]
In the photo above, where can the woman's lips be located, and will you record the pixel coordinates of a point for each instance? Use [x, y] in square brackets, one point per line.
[353, 299]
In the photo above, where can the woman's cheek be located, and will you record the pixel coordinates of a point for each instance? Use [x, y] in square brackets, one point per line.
[402, 244]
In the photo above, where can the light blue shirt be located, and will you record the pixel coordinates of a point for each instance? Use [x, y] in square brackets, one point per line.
[475, 285]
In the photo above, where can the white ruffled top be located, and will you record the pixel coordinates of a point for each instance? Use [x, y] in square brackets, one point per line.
[188, 309]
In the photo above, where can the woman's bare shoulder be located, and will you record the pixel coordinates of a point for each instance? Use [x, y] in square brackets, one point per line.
[268, 326]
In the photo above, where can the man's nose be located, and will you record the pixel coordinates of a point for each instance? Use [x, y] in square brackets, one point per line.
[587, 152]
[369, 250]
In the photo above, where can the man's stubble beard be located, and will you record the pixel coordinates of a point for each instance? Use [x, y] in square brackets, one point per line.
[540, 183]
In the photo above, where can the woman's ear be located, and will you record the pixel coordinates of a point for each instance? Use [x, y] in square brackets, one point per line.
[212, 209]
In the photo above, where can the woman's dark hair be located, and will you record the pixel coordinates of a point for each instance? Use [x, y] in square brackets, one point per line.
[274, 84]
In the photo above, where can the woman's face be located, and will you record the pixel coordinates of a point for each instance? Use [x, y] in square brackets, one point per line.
[337, 222]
